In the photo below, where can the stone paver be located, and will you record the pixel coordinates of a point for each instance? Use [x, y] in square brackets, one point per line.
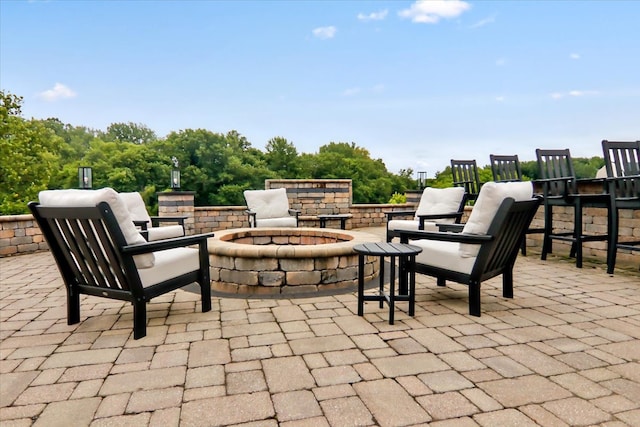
[565, 351]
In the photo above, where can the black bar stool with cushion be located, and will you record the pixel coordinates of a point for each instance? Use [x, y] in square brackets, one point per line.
[622, 161]
[560, 188]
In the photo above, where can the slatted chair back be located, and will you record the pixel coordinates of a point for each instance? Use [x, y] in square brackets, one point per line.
[621, 158]
[465, 174]
[557, 165]
[505, 168]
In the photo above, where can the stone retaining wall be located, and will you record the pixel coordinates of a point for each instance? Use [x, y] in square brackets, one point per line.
[19, 234]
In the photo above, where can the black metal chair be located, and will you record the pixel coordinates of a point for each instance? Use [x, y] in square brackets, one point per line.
[270, 208]
[465, 174]
[497, 250]
[94, 258]
[506, 168]
[622, 162]
[560, 188]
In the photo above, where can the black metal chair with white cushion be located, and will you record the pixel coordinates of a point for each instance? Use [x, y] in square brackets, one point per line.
[270, 208]
[100, 252]
[150, 226]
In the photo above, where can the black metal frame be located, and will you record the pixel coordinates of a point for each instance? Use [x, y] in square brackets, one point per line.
[94, 258]
[497, 252]
[252, 216]
[622, 161]
[560, 188]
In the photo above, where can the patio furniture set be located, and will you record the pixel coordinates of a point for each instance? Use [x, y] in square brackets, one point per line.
[103, 246]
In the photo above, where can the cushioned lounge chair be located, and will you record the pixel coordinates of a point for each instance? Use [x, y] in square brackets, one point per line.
[486, 247]
[150, 226]
[270, 208]
[100, 252]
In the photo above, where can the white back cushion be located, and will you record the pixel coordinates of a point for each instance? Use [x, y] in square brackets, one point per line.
[85, 198]
[268, 203]
[440, 201]
[136, 206]
[491, 196]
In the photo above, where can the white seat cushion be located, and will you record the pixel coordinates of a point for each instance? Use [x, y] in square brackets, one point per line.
[435, 201]
[165, 232]
[169, 264]
[87, 198]
[443, 254]
[491, 196]
[409, 224]
[289, 221]
[268, 203]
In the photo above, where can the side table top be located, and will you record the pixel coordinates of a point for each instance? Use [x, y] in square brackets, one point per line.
[387, 248]
[334, 216]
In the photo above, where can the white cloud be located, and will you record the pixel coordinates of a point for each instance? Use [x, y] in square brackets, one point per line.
[352, 91]
[574, 56]
[574, 93]
[431, 11]
[59, 91]
[483, 22]
[500, 62]
[500, 98]
[373, 16]
[325, 32]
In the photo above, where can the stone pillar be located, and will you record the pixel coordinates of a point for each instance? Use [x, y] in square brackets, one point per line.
[178, 203]
[413, 197]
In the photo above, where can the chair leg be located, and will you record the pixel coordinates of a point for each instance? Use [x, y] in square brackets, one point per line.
[440, 281]
[576, 248]
[73, 307]
[474, 299]
[612, 247]
[507, 283]
[548, 229]
[139, 319]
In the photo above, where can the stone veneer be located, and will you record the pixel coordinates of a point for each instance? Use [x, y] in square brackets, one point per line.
[274, 261]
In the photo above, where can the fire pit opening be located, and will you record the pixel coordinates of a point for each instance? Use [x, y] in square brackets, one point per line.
[287, 261]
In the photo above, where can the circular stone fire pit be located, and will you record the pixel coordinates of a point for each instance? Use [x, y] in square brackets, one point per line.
[273, 261]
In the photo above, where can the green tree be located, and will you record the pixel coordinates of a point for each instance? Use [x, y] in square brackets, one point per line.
[28, 156]
[282, 158]
[136, 133]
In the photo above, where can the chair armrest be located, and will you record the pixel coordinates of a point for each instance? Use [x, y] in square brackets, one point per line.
[160, 245]
[294, 212]
[477, 239]
[142, 224]
[391, 214]
[455, 228]
[422, 218]
[156, 220]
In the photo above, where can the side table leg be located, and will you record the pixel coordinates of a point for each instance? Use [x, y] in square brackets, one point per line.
[360, 285]
[392, 286]
[381, 286]
[412, 284]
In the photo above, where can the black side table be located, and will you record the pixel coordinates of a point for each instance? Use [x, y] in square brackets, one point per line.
[342, 217]
[407, 258]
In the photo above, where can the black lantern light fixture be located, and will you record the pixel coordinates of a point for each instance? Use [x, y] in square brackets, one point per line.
[422, 180]
[85, 179]
[175, 174]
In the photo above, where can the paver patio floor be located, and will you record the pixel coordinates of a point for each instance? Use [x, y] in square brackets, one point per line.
[564, 351]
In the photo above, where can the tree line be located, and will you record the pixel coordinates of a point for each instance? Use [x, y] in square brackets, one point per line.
[39, 154]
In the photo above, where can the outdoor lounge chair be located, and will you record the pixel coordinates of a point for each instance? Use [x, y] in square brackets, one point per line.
[486, 247]
[560, 188]
[622, 162]
[150, 227]
[465, 174]
[437, 205]
[270, 208]
[100, 252]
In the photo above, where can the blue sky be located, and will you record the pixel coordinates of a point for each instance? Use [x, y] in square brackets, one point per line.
[415, 83]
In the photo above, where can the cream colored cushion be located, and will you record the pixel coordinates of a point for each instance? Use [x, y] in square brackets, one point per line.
[169, 264]
[268, 203]
[136, 206]
[165, 232]
[436, 201]
[289, 221]
[491, 196]
[85, 198]
[443, 254]
[410, 224]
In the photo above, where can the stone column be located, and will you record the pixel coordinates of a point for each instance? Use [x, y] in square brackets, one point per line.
[178, 203]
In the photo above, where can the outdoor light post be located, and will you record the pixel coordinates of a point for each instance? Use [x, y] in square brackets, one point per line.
[85, 179]
[422, 180]
[175, 174]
